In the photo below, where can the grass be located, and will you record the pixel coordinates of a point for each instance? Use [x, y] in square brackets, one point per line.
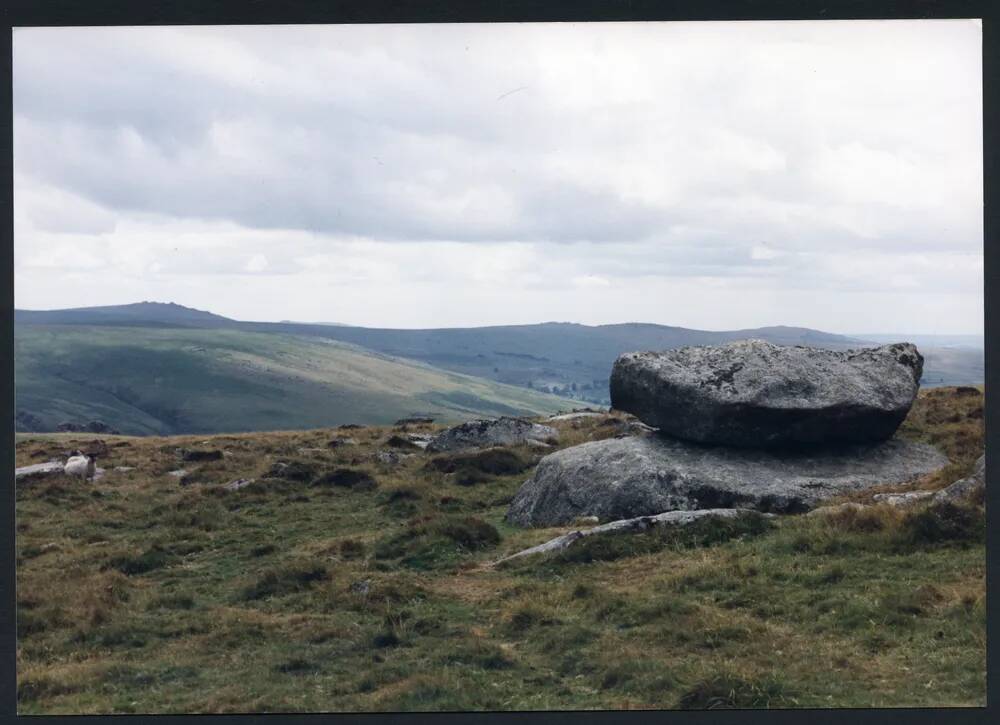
[163, 380]
[137, 594]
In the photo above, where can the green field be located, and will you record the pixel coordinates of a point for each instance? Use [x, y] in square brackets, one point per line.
[336, 592]
[163, 380]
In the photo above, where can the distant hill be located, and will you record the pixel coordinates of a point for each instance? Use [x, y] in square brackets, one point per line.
[164, 380]
[567, 359]
[144, 313]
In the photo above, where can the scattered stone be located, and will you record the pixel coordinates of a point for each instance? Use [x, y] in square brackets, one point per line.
[902, 500]
[621, 478]
[361, 587]
[350, 426]
[398, 441]
[577, 415]
[419, 440]
[754, 393]
[629, 526]
[493, 432]
[238, 484]
[540, 445]
[341, 442]
[972, 487]
[37, 470]
[124, 469]
[179, 473]
[390, 458]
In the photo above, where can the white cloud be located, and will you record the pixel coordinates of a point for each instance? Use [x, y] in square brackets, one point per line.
[754, 159]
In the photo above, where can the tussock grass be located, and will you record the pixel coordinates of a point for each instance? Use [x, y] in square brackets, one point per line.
[138, 594]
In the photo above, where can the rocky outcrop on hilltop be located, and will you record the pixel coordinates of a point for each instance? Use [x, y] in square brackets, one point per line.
[753, 393]
[746, 424]
[495, 432]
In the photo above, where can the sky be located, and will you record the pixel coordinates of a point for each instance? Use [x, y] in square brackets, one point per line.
[716, 175]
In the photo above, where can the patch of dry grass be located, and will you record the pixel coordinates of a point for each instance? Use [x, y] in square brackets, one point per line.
[140, 594]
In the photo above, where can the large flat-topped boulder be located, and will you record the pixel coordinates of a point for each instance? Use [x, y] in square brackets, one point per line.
[623, 478]
[491, 432]
[754, 393]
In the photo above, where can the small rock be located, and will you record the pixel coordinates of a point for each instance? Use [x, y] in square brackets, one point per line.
[503, 431]
[124, 469]
[577, 415]
[630, 526]
[238, 484]
[361, 587]
[179, 473]
[390, 458]
[38, 470]
[974, 485]
[341, 442]
[902, 500]
[415, 420]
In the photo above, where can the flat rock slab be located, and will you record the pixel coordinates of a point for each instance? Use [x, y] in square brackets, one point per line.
[629, 526]
[754, 393]
[622, 478]
[38, 470]
[974, 485]
[578, 415]
[493, 432]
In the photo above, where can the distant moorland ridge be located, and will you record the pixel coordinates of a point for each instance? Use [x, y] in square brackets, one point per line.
[248, 382]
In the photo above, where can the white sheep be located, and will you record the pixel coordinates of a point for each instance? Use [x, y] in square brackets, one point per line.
[84, 466]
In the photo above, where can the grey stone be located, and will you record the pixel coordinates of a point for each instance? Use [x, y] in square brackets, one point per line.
[390, 458]
[492, 432]
[754, 393]
[36, 471]
[578, 415]
[629, 526]
[179, 473]
[902, 500]
[622, 478]
[964, 488]
[237, 484]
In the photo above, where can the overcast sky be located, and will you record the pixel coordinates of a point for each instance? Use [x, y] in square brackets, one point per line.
[709, 175]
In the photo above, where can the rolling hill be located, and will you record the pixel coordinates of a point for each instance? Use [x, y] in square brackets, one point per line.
[569, 359]
[158, 379]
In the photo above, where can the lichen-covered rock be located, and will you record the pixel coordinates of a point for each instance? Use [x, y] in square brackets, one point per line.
[492, 432]
[623, 478]
[902, 500]
[37, 470]
[637, 525]
[754, 393]
[967, 488]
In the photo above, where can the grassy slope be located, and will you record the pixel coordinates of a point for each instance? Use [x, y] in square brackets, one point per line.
[139, 595]
[145, 380]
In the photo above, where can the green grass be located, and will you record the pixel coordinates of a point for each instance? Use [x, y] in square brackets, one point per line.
[152, 380]
[136, 594]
